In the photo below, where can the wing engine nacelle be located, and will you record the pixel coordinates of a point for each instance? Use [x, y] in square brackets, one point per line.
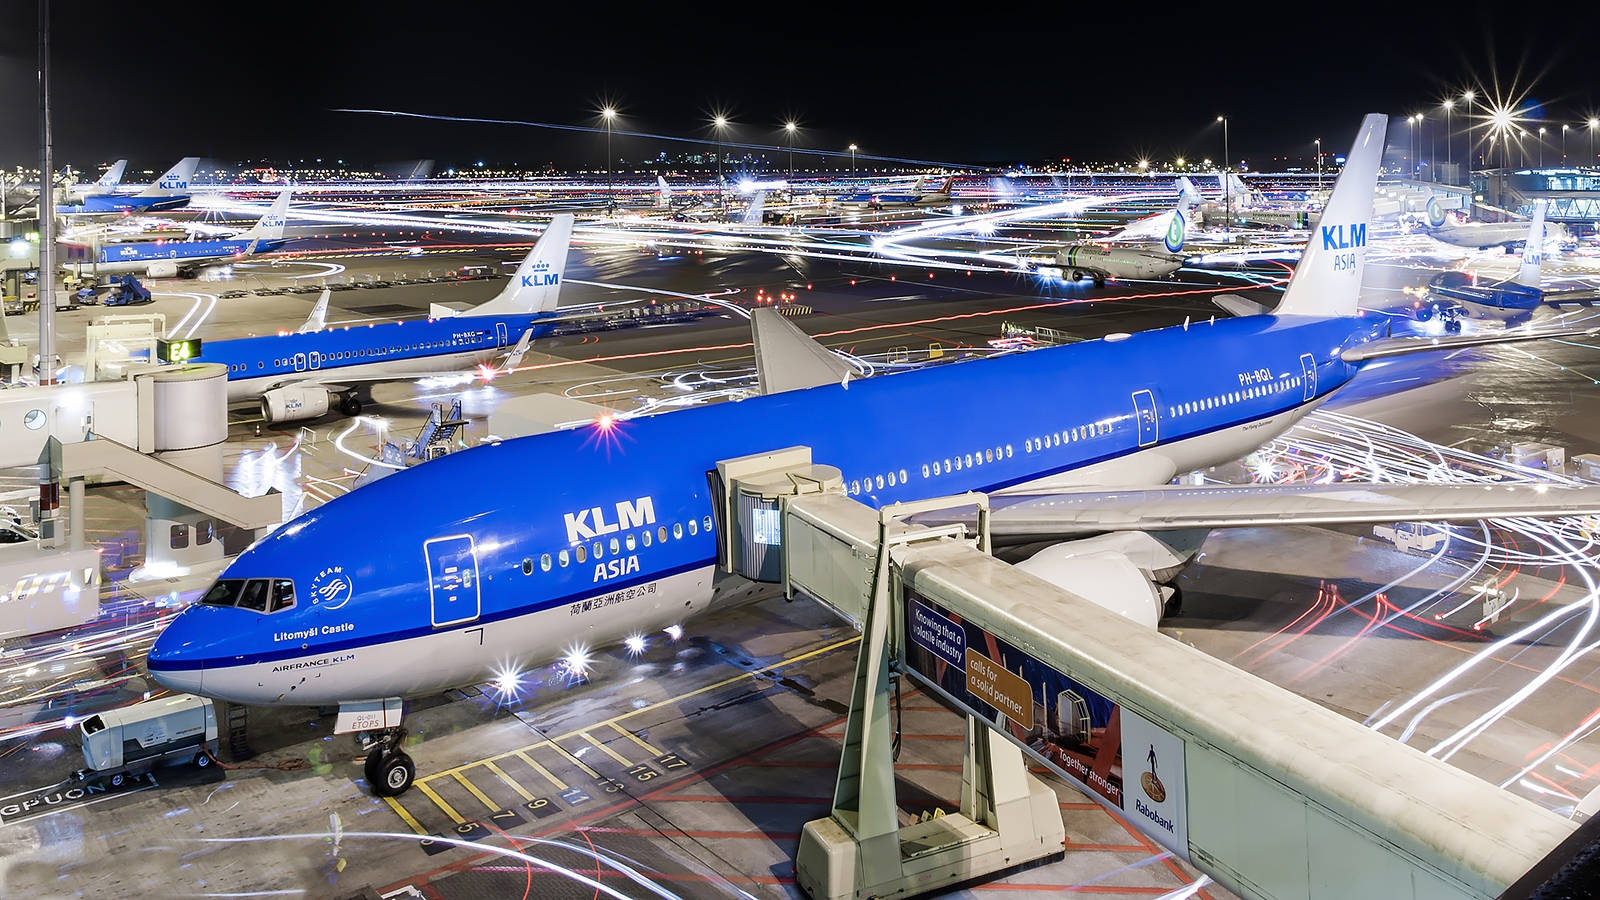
[294, 403]
[1115, 571]
[162, 269]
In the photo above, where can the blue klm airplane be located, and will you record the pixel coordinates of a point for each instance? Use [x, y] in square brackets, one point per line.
[297, 376]
[502, 567]
[168, 259]
[170, 191]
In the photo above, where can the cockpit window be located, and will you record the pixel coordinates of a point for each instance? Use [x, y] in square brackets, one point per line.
[254, 595]
[223, 593]
[282, 594]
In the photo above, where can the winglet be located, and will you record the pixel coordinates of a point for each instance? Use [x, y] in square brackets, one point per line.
[1533, 249]
[175, 180]
[788, 359]
[536, 285]
[318, 319]
[514, 358]
[1327, 280]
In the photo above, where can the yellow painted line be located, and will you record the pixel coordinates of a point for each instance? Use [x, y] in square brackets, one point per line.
[782, 663]
[560, 785]
[482, 798]
[576, 761]
[607, 750]
[635, 738]
[407, 817]
[439, 801]
[508, 780]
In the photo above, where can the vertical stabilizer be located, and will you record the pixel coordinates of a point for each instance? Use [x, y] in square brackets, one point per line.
[270, 228]
[663, 193]
[175, 181]
[536, 285]
[1533, 250]
[1188, 194]
[113, 175]
[752, 213]
[1327, 281]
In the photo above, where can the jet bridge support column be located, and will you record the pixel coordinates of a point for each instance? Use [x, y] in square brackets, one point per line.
[1007, 819]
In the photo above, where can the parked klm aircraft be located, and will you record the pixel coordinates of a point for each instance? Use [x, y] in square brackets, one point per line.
[474, 582]
[889, 199]
[107, 184]
[170, 191]
[169, 259]
[298, 376]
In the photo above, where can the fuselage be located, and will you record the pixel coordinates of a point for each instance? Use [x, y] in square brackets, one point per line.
[139, 256]
[123, 203]
[1116, 262]
[482, 561]
[1507, 300]
[363, 352]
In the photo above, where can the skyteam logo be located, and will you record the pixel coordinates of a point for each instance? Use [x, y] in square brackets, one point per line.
[1175, 230]
[332, 588]
[539, 275]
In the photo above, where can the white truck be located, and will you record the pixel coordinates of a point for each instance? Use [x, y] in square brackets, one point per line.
[1414, 537]
[122, 743]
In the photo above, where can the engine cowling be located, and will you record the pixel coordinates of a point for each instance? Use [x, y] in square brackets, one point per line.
[293, 404]
[161, 269]
[1106, 578]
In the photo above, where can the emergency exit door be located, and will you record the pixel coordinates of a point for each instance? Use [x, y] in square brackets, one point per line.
[452, 579]
[1144, 413]
[500, 335]
[1308, 375]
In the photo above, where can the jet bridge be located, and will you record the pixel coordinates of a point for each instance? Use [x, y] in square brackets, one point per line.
[1267, 792]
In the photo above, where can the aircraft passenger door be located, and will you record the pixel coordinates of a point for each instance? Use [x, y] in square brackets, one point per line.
[452, 579]
[1308, 372]
[1144, 413]
[500, 334]
[299, 362]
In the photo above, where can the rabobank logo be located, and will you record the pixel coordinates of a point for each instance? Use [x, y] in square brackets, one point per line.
[332, 588]
[539, 275]
[1344, 237]
[1175, 230]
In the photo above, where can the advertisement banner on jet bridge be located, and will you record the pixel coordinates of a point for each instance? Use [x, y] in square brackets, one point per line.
[1114, 753]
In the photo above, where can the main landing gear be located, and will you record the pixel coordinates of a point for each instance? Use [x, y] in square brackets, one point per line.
[388, 769]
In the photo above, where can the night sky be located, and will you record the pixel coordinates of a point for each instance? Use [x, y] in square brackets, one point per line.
[229, 82]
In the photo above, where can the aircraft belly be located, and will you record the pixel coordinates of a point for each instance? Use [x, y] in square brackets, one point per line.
[464, 654]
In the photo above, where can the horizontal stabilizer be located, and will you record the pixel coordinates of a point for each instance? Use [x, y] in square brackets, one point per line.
[1398, 346]
[1235, 305]
[787, 359]
[1169, 508]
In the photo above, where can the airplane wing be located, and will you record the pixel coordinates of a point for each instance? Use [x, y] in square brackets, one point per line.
[1075, 513]
[1398, 346]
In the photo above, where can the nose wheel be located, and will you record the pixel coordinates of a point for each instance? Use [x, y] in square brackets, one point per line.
[389, 770]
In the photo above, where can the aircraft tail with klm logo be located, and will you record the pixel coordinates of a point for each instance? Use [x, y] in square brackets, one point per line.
[536, 285]
[270, 228]
[175, 181]
[1327, 281]
[1528, 275]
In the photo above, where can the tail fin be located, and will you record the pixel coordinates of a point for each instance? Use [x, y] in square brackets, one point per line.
[421, 171]
[175, 181]
[948, 187]
[664, 196]
[917, 188]
[318, 319]
[1327, 281]
[270, 228]
[1177, 228]
[752, 213]
[1188, 194]
[536, 285]
[113, 175]
[1533, 250]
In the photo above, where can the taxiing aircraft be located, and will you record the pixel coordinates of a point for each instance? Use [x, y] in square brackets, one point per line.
[1122, 255]
[169, 259]
[170, 191]
[298, 376]
[485, 565]
[916, 197]
[1483, 235]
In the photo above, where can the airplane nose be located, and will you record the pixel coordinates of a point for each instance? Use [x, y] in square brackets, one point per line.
[190, 681]
[168, 664]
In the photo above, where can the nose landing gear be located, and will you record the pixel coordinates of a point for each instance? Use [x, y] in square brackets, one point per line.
[388, 769]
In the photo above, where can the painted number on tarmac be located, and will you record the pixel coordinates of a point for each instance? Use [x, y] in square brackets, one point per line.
[541, 807]
[609, 785]
[505, 818]
[642, 772]
[574, 796]
[670, 761]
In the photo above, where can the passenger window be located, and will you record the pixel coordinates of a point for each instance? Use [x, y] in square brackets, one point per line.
[694, 527]
[616, 547]
[878, 480]
[564, 558]
[179, 537]
[677, 530]
[644, 537]
[661, 534]
[582, 553]
[254, 595]
[631, 542]
[904, 477]
[705, 524]
[988, 455]
[1008, 451]
[282, 594]
[598, 551]
[924, 470]
[891, 479]
[545, 563]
